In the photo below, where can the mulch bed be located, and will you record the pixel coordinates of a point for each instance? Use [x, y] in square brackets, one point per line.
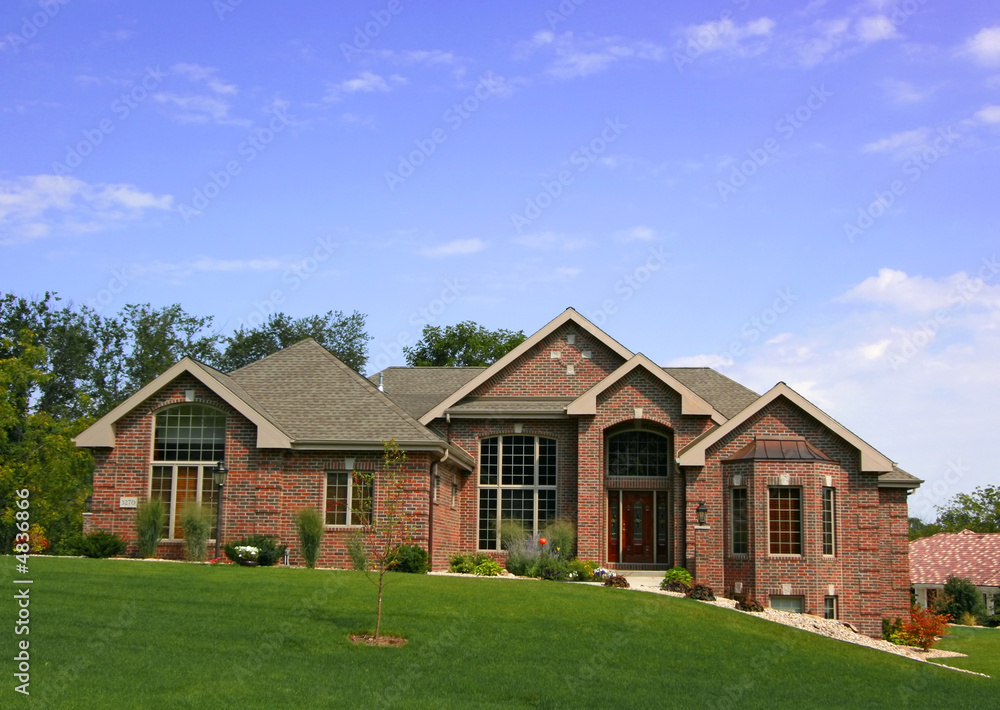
[369, 639]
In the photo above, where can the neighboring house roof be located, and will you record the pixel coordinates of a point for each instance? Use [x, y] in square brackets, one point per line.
[871, 460]
[304, 397]
[975, 556]
[418, 389]
[727, 396]
[691, 403]
[569, 315]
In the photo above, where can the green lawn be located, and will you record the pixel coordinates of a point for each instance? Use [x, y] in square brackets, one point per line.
[116, 633]
[981, 645]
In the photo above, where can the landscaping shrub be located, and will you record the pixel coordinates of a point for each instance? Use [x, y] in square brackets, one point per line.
[743, 603]
[960, 597]
[99, 544]
[891, 627]
[992, 621]
[269, 551]
[410, 558]
[561, 539]
[922, 628]
[357, 552]
[197, 529]
[521, 556]
[149, 520]
[547, 566]
[701, 592]
[616, 580]
[512, 533]
[580, 570]
[487, 568]
[310, 526]
[677, 579]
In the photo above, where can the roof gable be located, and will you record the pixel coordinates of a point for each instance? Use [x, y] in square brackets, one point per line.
[691, 403]
[270, 434]
[567, 316]
[871, 460]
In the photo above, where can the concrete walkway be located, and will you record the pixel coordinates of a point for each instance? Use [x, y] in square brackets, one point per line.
[642, 578]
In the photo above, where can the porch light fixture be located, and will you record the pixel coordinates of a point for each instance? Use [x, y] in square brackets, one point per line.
[702, 512]
[219, 473]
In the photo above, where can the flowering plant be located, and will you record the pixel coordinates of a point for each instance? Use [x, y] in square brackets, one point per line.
[601, 573]
[247, 552]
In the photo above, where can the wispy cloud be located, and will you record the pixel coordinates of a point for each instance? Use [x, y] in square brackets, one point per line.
[988, 114]
[573, 57]
[640, 233]
[836, 38]
[729, 37]
[901, 143]
[458, 247]
[39, 205]
[550, 240]
[366, 82]
[903, 92]
[200, 107]
[984, 46]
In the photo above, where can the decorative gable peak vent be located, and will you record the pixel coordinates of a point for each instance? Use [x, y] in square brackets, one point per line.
[789, 448]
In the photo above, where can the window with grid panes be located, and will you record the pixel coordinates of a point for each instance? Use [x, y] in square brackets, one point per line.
[188, 441]
[785, 521]
[639, 453]
[741, 526]
[517, 482]
[348, 498]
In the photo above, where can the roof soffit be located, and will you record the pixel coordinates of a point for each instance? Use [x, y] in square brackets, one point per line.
[691, 403]
[567, 316]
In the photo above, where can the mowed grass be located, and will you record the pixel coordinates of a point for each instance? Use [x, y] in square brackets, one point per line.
[982, 646]
[129, 634]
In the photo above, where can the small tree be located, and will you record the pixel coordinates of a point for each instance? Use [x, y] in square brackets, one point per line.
[960, 597]
[389, 524]
[309, 524]
[149, 519]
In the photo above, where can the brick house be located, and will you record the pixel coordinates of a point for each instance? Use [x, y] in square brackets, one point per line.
[798, 511]
[974, 556]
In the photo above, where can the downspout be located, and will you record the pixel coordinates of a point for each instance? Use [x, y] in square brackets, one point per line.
[430, 504]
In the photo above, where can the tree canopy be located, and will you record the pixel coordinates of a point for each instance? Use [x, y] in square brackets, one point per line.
[342, 335]
[462, 345]
[978, 511]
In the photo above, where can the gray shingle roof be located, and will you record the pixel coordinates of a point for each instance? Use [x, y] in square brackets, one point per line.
[418, 389]
[520, 406]
[727, 396]
[314, 397]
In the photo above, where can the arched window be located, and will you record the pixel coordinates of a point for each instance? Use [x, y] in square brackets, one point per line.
[517, 482]
[188, 440]
[639, 453]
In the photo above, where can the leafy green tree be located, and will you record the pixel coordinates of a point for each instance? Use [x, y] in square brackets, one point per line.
[37, 453]
[462, 345]
[343, 335]
[918, 528]
[978, 511]
[959, 597]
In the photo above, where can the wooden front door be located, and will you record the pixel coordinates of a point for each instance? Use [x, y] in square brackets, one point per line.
[637, 526]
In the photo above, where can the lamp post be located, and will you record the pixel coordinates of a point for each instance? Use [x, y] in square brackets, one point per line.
[219, 473]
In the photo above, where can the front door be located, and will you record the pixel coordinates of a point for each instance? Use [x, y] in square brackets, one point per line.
[637, 526]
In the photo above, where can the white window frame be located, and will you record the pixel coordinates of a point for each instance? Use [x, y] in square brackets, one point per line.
[349, 502]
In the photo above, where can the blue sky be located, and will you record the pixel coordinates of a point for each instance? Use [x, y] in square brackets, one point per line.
[793, 191]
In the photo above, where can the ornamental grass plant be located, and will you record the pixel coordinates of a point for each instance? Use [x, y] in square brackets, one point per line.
[149, 523]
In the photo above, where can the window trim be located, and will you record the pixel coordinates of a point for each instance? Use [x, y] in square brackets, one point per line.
[797, 544]
[668, 445]
[831, 604]
[499, 487]
[349, 502]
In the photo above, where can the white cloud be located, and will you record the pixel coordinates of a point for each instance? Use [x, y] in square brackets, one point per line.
[900, 143]
[366, 82]
[875, 28]
[204, 75]
[729, 37]
[210, 264]
[903, 92]
[418, 56]
[835, 38]
[578, 57]
[36, 206]
[639, 233]
[919, 294]
[213, 107]
[988, 114]
[458, 247]
[550, 240]
[984, 47]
